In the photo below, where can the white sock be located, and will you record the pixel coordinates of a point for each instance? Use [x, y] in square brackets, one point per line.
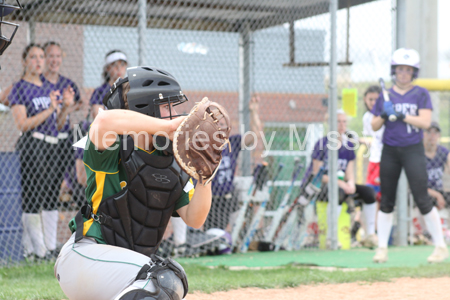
[370, 212]
[33, 226]
[50, 226]
[384, 225]
[179, 231]
[329, 224]
[26, 237]
[434, 226]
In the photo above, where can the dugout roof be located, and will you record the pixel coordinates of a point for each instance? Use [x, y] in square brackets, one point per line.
[209, 15]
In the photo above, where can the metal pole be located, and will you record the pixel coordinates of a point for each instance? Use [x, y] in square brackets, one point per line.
[332, 119]
[31, 34]
[347, 49]
[402, 211]
[401, 24]
[292, 42]
[402, 188]
[245, 51]
[142, 26]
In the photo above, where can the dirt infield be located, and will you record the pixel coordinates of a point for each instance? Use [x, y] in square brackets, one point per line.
[401, 288]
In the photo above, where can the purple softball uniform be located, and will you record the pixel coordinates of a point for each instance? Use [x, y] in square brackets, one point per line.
[435, 168]
[223, 181]
[399, 133]
[61, 84]
[99, 93]
[345, 153]
[36, 99]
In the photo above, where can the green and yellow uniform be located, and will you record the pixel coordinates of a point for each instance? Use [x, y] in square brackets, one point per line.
[107, 177]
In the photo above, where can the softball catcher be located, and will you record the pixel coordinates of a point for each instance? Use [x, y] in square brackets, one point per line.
[134, 186]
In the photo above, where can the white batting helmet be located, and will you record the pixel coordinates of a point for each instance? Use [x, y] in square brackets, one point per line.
[406, 57]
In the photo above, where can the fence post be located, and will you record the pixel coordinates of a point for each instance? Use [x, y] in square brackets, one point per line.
[402, 211]
[332, 119]
[142, 26]
[245, 59]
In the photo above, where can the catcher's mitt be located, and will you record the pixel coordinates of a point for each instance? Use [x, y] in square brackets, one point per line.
[200, 139]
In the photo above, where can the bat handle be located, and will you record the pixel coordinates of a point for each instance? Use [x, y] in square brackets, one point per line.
[392, 118]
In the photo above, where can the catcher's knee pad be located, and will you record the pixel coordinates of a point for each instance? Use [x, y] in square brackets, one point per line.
[168, 277]
[138, 294]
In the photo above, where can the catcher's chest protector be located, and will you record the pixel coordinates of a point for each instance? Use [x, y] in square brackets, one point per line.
[137, 217]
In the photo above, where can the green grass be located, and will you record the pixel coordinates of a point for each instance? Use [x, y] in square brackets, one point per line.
[29, 282]
[222, 279]
[37, 282]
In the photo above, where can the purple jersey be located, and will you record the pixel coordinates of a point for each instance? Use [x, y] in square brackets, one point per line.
[61, 84]
[399, 133]
[345, 153]
[99, 93]
[435, 168]
[36, 99]
[223, 181]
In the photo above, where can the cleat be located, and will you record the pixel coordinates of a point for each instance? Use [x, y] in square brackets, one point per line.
[370, 241]
[439, 255]
[381, 255]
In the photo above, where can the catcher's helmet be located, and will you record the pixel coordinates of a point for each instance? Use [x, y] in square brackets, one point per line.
[406, 57]
[149, 88]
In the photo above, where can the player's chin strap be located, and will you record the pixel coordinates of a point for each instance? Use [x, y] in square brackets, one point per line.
[159, 271]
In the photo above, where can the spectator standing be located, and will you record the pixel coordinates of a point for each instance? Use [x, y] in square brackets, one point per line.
[37, 114]
[403, 148]
[375, 147]
[115, 67]
[52, 77]
[376, 144]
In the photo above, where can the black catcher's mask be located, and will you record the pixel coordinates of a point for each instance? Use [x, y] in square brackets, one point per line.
[149, 89]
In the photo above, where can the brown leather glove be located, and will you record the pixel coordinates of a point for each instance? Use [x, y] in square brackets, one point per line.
[200, 139]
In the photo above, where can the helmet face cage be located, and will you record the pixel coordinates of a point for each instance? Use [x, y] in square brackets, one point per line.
[415, 73]
[149, 89]
[405, 57]
[171, 101]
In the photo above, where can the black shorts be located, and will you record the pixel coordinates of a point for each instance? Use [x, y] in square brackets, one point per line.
[364, 194]
[66, 156]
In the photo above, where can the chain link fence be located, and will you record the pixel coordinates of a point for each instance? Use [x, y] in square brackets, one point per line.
[266, 62]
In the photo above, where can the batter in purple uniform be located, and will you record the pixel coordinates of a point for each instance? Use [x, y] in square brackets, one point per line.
[403, 149]
[346, 165]
[115, 67]
[37, 115]
[437, 162]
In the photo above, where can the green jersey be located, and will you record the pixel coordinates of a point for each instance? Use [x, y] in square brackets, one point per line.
[107, 177]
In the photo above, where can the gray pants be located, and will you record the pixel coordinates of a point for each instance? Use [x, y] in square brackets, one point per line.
[87, 270]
